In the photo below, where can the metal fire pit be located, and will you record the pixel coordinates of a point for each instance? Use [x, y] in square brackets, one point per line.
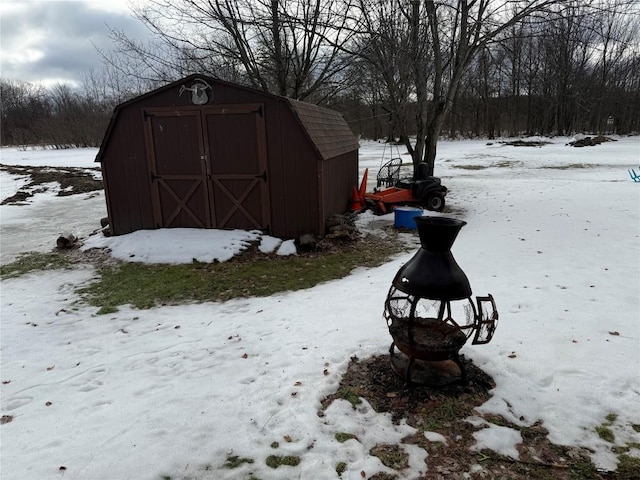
[429, 310]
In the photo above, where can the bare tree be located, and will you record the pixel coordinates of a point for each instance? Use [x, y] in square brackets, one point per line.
[617, 29]
[442, 39]
[459, 30]
[287, 47]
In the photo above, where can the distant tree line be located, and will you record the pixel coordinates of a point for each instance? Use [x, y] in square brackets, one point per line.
[61, 116]
[403, 70]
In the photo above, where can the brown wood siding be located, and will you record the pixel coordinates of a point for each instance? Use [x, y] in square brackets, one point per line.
[127, 177]
[298, 178]
[339, 175]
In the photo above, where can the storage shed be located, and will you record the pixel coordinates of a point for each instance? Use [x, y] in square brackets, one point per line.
[204, 153]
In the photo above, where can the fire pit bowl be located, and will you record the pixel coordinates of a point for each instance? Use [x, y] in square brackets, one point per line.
[429, 311]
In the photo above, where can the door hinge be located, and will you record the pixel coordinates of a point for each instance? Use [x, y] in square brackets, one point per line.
[258, 111]
[263, 176]
[146, 115]
[154, 177]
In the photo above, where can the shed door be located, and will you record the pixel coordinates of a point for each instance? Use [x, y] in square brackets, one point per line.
[236, 147]
[208, 166]
[178, 167]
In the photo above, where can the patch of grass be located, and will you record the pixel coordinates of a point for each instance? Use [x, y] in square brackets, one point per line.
[383, 476]
[275, 445]
[440, 415]
[470, 167]
[628, 468]
[106, 310]
[341, 468]
[605, 433]
[30, 262]
[581, 470]
[636, 428]
[146, 286]
[349, 395]
[392, 456]
[503, 164]
[274, 461]
[235, 461]
[571, 166]
[343, 437]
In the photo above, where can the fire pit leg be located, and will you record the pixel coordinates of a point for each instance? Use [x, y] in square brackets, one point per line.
[408, 374]
[416, 371]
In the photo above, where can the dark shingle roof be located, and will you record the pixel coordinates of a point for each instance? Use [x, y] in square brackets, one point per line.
[327, 129]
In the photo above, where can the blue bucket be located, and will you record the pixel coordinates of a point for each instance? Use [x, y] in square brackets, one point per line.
[403, 217]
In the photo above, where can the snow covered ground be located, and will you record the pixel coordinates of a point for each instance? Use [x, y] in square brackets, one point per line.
[553, 233]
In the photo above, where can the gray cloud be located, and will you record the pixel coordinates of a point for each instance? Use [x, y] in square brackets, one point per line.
[54, 40]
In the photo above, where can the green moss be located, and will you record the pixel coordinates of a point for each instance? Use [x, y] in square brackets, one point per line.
[275, 444]
[236, 461]
[349, 395]
[341, 468]
[274, 461]
[605, 433]
[610, 418]
[343, 437]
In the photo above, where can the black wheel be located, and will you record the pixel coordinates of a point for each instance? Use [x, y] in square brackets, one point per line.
[435, 203]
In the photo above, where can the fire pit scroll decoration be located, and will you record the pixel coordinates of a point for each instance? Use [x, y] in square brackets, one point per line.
[429, 310]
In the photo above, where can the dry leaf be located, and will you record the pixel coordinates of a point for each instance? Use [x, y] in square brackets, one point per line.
[513, 355]
[293, 394]
[51, 367]
[245, 356]
[362, 474]
[614, 333]
[287, 438]
[6, 419]
[48, 404]
[298, 384]
[326, 372]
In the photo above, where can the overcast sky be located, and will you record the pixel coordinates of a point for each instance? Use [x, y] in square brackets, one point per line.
[50, 41]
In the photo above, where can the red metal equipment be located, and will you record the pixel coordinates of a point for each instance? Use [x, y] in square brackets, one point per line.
[427, 192]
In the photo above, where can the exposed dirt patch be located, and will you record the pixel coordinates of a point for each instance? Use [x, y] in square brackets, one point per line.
[72, 181]
[591, 141]
[526, 143]
[444, 410]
